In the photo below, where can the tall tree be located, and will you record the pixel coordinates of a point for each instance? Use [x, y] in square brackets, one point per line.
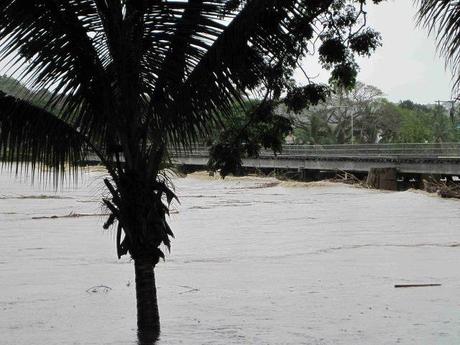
[442, 17]
[132, 78]
[356, 109]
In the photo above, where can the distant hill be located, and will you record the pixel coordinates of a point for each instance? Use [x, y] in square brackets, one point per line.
[14, 88]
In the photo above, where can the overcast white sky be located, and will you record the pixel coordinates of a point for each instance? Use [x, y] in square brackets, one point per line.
[407, 65]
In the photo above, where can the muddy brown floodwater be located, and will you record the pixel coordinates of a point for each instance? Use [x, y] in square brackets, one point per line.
[254, 262]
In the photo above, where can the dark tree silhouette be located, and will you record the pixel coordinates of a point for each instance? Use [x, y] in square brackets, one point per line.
[132, 78]
[341, 34]
[442, 17]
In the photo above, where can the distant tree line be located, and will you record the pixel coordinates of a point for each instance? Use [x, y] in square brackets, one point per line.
[363, 115]
[375, 120]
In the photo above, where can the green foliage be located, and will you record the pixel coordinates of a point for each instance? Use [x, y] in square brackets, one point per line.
[13, 87]
[414, 127]
[252, 126]
[388, 122]
[331, 121]
[316, 132]
[344, 75]
[339, 44]
[365, 42]
[332, 51]
[375, 119]
[423, 124]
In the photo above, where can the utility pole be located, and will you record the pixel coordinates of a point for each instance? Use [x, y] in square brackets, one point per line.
[452, 108]
[352, 130]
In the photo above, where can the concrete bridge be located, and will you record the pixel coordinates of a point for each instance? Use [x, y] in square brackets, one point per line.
[407, 159]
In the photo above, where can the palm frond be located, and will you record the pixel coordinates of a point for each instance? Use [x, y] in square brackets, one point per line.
[176, 33]
[60, 41]
[216, 61]
[442, 17]
[31, 137]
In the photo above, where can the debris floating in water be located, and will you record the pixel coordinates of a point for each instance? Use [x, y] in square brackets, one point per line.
[99, 289]
[415, 285]
[189, 289]
[72, 215]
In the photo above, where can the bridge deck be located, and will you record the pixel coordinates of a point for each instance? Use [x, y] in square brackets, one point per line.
[441, 159]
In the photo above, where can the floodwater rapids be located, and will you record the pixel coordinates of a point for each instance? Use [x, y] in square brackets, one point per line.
[254, 262]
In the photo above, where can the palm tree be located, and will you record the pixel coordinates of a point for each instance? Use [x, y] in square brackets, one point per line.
[130, 79]
[442, 17]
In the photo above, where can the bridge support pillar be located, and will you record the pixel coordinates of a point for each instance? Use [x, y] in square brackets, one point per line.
[383, 178]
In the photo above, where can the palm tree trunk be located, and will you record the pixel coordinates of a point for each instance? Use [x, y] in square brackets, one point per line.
[148, 318]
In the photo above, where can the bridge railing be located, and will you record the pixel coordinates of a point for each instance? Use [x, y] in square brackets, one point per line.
[442, 150]
[376, 150]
